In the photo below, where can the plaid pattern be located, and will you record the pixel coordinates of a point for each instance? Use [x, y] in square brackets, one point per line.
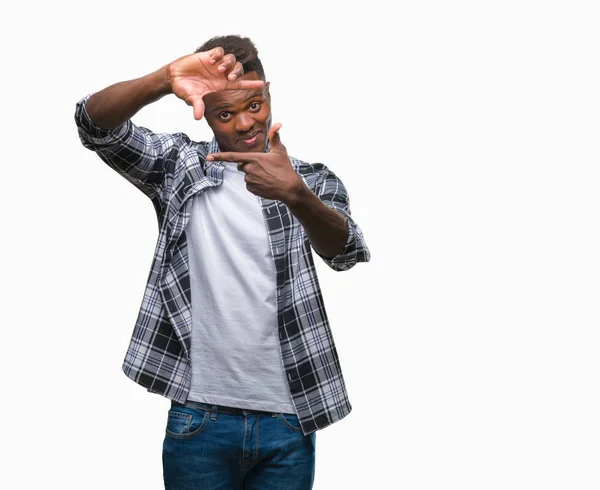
[169, 169]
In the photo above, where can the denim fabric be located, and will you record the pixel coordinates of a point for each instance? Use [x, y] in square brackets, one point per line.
[205, 449]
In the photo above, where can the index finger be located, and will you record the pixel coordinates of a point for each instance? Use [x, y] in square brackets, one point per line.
[243, 84]
[232, 156]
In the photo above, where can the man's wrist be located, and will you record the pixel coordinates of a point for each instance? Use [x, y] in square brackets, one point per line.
[299, 195]
[163, 81]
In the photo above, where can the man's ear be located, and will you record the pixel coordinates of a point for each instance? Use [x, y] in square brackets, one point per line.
[267, 85]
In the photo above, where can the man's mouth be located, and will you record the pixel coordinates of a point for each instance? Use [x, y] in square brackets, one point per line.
[251, 139]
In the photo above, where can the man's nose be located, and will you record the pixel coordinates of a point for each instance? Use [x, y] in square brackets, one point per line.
[243, 122]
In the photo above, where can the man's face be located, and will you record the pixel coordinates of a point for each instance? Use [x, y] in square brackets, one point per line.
[240, 119]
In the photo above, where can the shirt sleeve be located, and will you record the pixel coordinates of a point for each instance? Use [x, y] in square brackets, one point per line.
[135, 152]
[331, 190]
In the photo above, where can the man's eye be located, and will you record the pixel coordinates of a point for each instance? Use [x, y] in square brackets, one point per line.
[255, 106]
[224, 116]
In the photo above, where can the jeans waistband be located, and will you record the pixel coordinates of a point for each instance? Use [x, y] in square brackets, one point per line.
[209, 407]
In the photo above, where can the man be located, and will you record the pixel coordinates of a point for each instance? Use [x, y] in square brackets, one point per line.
[232, 326]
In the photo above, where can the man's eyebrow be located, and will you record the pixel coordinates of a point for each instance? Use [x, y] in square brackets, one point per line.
[225, 106]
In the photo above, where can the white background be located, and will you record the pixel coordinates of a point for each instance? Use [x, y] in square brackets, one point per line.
[467, 136]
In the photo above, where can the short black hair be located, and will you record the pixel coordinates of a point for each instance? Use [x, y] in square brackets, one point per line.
[242, 48]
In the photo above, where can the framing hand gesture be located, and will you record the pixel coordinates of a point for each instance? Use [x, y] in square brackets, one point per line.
[195, 75]
[269, 175]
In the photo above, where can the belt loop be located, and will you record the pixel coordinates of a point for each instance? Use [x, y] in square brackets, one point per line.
[214, 412]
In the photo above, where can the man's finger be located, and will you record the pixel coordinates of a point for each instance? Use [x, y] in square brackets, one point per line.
[227, 63]
[244, 84]
[232, 156]
[198, 105]
[216, 54]
[274, 139]
[237, 72]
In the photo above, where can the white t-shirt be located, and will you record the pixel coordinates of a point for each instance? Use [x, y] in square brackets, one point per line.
[236, 358]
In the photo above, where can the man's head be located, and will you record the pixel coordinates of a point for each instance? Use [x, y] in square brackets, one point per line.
[239, 119]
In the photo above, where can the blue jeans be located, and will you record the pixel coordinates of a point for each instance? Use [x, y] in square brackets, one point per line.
[208, 449]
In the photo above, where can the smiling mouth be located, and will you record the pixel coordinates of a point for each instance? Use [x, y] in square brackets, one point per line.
[251, 139]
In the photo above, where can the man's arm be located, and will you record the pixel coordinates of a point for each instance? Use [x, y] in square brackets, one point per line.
[326, 218]
[104, 118]
[190, 78]
[136, 153]
[326, 229]
[114, 105]
[104, 124]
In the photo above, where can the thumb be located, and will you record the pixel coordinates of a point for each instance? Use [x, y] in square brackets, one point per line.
[198, 104]
[274, 138]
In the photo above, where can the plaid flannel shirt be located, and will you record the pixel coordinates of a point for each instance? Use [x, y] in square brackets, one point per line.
[170, 169]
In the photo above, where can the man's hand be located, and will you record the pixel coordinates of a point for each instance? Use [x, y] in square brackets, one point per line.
[269, 175]
[195, 75]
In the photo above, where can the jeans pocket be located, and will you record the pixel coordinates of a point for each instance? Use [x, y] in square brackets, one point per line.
[185, 422]
[290, 421]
